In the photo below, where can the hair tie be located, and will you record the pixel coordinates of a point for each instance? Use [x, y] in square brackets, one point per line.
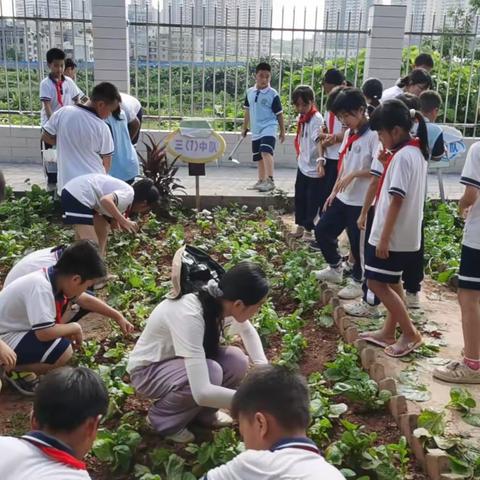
[213, 289]
[413, 113]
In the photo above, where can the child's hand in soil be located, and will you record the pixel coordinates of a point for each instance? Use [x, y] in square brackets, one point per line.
[125, 326]
[128, 225]
[8, 358]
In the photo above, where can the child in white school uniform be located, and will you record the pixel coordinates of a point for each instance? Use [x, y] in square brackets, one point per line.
[395, 237]
[67, 410]
[31, 313]
[272, 408]
[468, 370]
[57, 90]
[311, 166]
[342, 208]
[93, 203]
[83, 140]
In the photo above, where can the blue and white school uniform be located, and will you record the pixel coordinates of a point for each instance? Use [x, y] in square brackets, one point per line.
[124, 159]
[405, 177]
[265, 107]
[81, 197]
[39, 456]
[27, 305]
[469, 275]
[297, 458]
[347, 205]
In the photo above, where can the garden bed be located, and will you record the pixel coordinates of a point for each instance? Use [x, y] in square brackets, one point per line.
[295, 327]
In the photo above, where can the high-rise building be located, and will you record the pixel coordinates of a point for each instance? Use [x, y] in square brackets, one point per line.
[350, 15]
[218, 42]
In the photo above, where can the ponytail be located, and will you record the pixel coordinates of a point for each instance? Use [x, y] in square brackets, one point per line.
[418, 76]
[394, 113]
[246, 281]
[422, 133]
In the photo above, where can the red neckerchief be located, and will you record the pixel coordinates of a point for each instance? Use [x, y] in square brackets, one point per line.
[59, 89]
[413, 142]
[54, 450]
[302, 120]
[352, 137]
[60, 299]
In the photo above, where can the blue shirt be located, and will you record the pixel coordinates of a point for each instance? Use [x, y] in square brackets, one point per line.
[264, 106]
[124, 158]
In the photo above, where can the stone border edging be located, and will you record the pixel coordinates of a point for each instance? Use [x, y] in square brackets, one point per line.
[434, 462]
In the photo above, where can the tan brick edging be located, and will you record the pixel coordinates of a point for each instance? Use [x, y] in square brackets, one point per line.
[435, 462]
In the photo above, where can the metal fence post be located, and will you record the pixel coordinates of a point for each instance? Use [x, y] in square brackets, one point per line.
[110, 43]
[386, 25]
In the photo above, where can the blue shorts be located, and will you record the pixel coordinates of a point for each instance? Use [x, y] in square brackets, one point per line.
[32, 350]
[469, 274]
[388, 270]
[74, 212]
[264, 144]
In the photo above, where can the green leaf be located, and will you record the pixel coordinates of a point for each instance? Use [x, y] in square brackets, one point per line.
[416, 394]
[102, 449]
[472, 419]
[433, 421]
[337, 409]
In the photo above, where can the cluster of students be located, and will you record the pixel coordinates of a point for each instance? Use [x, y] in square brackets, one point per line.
[361, 168]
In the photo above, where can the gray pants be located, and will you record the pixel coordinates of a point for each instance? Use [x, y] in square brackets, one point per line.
[166, 383]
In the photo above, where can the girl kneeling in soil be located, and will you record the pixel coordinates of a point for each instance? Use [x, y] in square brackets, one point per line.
[178, 360]
[396, 231]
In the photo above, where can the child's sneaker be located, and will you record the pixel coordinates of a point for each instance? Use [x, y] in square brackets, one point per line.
[351, 291]
[457, 372]
[267, 186]
[361, 309]
[329, 274]
[412, 300]
[314, 246]
[182, 436]
[308, 236]
[24, 382]
[256, 185]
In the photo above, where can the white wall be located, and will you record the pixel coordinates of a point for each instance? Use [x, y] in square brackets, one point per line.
[22, 145]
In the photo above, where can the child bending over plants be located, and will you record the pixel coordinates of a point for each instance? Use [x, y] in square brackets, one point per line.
[178, 360]
[468, 370]
[272, 408]
[31, 314]
[396, 231]
[67, 410]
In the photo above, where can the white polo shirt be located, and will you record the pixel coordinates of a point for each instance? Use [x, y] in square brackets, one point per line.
[45, 258]
[288, 461]
[20, 460]
[405, 177]
[82, 137]
[131, 106]
[360, 157]
[48, 91]
[309, 136]
[471, 176]
[26, 304]
[332, 152]
[89, 190]
[392, 92]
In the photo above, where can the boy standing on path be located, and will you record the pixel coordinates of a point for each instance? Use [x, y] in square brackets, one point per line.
[263, 110]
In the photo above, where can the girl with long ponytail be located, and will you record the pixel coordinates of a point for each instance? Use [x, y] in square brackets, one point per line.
[395, 237]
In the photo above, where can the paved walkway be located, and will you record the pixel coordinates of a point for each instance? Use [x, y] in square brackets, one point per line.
[224, 181]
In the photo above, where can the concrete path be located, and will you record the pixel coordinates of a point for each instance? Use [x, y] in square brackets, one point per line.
[223, 181]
